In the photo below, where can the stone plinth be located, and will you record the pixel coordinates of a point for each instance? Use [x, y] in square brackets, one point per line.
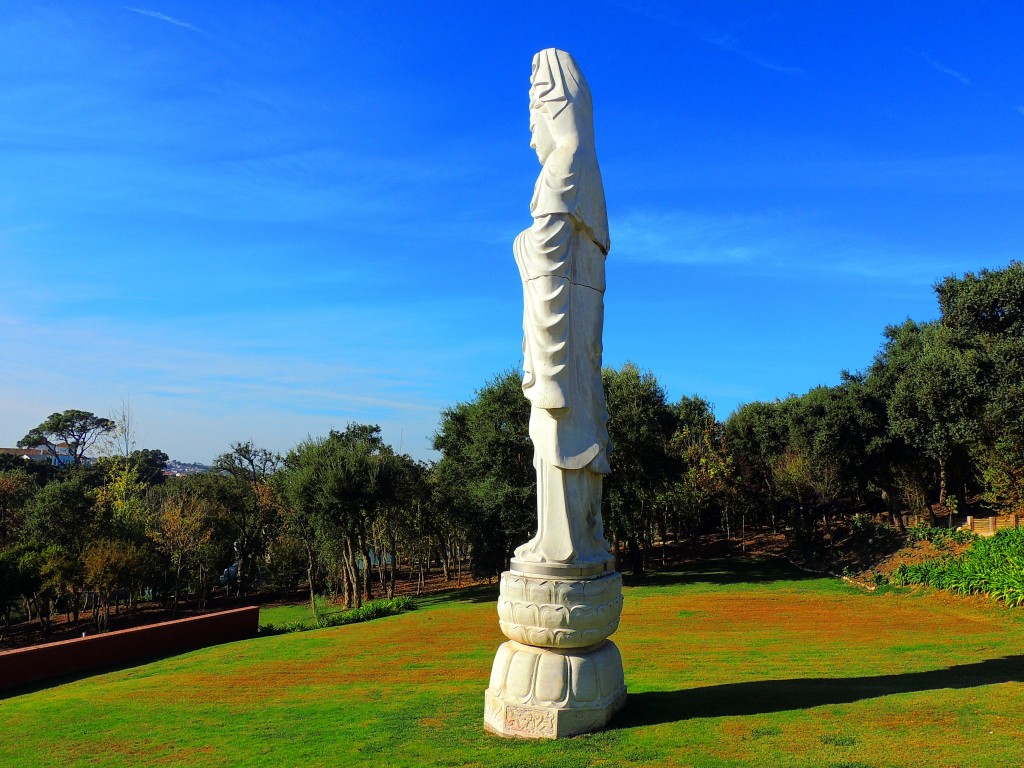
[558, 675]
[541, 693]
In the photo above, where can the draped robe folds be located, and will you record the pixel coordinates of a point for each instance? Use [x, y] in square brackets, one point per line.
[561, 263]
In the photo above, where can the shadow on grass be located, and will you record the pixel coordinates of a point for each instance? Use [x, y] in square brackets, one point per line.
[716, 571]
[765, 696]
[723, 571]
[482, 593]
[58, 680]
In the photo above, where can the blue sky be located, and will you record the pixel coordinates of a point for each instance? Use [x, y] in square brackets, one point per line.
[262, 221]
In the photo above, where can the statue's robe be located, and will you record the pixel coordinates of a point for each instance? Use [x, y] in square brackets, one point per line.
[561, 262]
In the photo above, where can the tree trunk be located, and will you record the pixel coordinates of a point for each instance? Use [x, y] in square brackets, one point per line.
[367, 574]
[350, 562]
[309, 575]
[892, 503]
[743, 530]
[382, 565]
[177, 578]
[943, 479]
[636, 556]
[393, 568]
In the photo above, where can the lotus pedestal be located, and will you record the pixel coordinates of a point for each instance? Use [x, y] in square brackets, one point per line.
[558, 675]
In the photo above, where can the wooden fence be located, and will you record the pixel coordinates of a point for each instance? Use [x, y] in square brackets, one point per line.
[987, 526]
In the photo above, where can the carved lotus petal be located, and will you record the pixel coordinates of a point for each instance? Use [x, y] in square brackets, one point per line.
[521, 671]
[551, 679]
[585, 685]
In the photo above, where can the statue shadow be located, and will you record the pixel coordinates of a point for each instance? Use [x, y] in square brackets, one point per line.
[722, 571]
[766, 696]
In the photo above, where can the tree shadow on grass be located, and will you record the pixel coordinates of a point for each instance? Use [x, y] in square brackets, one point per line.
[724, 571]
[482, 593]
[765, 696]
[717, 571]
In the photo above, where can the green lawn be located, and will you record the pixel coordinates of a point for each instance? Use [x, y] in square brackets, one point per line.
[728, 664]
[286, 614]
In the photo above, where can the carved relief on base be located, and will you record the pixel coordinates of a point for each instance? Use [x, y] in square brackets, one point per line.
[559, 613]
[541, 693]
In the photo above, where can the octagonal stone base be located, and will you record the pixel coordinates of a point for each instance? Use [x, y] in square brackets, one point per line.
[543, 693]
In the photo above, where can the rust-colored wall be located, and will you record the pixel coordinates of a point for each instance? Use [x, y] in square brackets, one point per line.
[38, 662]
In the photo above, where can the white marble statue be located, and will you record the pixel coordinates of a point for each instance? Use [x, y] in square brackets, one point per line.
[561, 262]
[559, 674]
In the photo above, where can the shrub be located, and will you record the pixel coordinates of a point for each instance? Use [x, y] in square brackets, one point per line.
[374, 609]
[940, 537]
[993, 567]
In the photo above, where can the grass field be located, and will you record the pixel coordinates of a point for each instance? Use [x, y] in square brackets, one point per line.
[729, 663]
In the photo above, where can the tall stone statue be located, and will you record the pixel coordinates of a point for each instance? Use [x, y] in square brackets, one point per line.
[561, 262]
[559, 674]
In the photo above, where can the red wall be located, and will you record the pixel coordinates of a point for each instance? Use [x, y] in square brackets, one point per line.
[39, 662]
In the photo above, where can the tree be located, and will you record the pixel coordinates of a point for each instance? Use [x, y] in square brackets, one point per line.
[120, 439]
[150, 464]
[300, 509]
[121, 500]
[108, 565]
[485, 477]
[63, 514]
[250, 468]
[640, 424]
[182, 527]
[16, 489]
[76, 430]
[936, 394]
[705, 480]
[984, 313]
[335, 489]
[756, 435]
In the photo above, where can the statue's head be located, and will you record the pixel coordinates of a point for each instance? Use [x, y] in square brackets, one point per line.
[561, 112]
[562, 123]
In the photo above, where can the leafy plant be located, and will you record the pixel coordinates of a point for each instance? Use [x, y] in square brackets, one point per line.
[374, 609]
[940, 537]
[993, 567]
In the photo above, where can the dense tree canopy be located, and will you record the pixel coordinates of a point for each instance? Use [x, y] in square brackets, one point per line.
[933, 426]
[73, 430]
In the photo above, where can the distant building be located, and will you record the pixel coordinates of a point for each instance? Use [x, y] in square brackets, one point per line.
[38, 453]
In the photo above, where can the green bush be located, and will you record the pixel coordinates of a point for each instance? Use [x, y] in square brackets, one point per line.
[940, 537]
[374, 609]
[993, 567]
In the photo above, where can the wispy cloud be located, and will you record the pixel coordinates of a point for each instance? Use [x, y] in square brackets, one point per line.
[733, 45]
[938, 67]
[667, 13]
[175, 379]
[769, 242]
[963, 79]
[165, 17]
[681, 237]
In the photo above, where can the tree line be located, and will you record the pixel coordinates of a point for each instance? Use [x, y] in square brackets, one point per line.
[934, 426]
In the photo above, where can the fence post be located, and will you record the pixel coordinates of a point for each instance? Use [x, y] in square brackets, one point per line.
[970, 523]
[993, 524]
